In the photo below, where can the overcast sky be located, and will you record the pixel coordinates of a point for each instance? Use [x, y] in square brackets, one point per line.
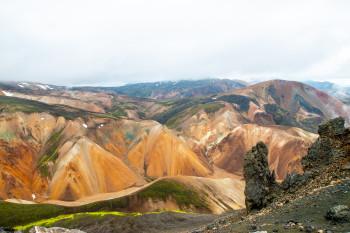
[111, 42]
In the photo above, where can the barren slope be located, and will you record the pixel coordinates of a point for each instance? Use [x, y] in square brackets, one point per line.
[286, 147]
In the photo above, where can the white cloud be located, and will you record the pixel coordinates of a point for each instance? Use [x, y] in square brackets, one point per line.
[332, 64]
[115, 41]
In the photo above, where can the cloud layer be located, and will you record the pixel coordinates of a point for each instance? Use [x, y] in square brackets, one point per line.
[111, 42]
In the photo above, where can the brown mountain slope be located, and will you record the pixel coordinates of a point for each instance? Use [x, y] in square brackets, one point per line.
[149, 148]
[286, 147]
[217, 194]
[55, 158]
[205, 122]
[161, 153]
[87, 169]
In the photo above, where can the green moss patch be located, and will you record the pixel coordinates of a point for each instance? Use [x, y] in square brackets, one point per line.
[182, 194]
[284, 117]
[240, 100]
[13, 214]
[7, 136]
[184, 107]
[51, 153]
[307, 106]
[280, 115]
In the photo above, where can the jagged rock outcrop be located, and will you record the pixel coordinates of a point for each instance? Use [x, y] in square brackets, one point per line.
[327, 160]
[260, 182]
[333, 143]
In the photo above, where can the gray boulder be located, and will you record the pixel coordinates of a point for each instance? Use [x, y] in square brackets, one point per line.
[339, 213]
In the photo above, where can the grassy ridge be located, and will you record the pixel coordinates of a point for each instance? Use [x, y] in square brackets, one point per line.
[70, 218]
[14, 104]
[51, 153]
[284, 117]
[67, 220]
[13, 214]
[182, 194]
[186, 107]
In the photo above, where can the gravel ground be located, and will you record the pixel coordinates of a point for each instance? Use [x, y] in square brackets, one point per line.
[305, 214]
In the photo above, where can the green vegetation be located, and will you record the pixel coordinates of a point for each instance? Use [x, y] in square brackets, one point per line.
[68, 220]
[129, 136]
[240, 100]
[7, 136]
[307, 106]
[142, 115]
[311, 124]
[184, 88]
[119, 108]
[168, 102]
[180, 109]
[273, 93]
[13, 104]
[51, 153]
[283, 117]
[280, 115]
[186, 107]
[182, 194]
[13, 214]
[210, 108]
[71, 217]
[118, 111]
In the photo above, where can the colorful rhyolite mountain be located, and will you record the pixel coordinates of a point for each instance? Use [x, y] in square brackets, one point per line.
[73, 147]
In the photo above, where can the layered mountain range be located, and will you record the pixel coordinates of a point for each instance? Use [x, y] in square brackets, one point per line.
[77, 146]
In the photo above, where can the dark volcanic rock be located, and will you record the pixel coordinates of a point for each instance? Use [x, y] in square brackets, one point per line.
[293, 180]
[260, 182]
[333, 143]
[332, 128]
[339, 213]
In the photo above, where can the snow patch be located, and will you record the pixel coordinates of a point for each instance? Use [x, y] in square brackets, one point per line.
[7, 93]
[44, 87]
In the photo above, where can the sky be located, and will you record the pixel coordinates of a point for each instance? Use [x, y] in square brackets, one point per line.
[114, 42]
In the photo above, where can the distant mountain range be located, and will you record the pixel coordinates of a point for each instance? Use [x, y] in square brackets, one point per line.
[340, 92]
[172, 89]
